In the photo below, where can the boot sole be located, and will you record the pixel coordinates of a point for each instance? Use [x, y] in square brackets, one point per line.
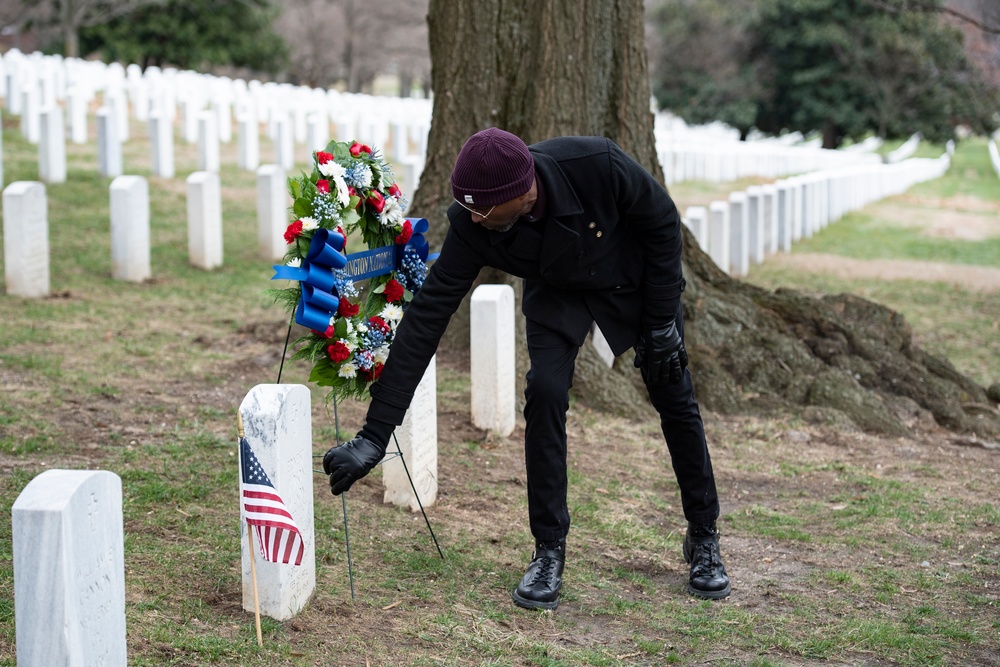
[710, 595]
[533, 604]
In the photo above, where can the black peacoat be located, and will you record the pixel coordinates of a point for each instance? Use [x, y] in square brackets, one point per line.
[608, 249]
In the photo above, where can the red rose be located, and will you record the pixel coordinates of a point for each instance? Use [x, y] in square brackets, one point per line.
[405, 235]
[327, 334]
[323, 158]
[338, 352]
[395, 191]
[293, 231]
[323, 186]
[393, 291]
[373, 373]
[379, 323]
[347, 309]
[376, 200]
[357, 149]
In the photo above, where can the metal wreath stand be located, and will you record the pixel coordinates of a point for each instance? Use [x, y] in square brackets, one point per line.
[343, 496]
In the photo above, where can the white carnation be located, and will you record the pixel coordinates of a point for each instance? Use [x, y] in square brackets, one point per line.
[347, 371]
[392, 313]
[332, 170]
[392, 213]
[343, 198]
[381, 354]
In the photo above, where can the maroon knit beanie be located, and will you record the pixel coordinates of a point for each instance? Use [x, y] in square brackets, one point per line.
[493, 167]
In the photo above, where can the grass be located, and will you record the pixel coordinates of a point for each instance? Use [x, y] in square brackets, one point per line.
[826, 549]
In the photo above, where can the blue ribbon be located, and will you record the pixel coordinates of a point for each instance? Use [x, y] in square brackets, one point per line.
[320, 299]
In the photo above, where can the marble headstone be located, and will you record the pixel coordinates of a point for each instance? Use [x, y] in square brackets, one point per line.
[491, 328]
[417, 438]
[69, 570]
[26, 239]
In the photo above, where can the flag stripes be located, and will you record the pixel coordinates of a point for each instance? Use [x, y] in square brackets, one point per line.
[278, 535]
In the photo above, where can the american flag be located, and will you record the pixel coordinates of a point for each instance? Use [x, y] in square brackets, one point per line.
[279, 538]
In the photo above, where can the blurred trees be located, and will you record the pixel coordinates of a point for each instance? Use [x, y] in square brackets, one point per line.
[193, 34]
[351, 41]
[843, 67]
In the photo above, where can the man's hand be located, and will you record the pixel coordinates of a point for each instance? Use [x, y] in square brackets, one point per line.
[661, 355]
[349, 462]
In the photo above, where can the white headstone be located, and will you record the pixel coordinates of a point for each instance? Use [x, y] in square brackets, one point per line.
[1, 151]
[161, 134]
[784, 205]
[69, 570]
[272, 211]
[77, 108]
[283, 146]
[417, 438]
[755, 223]
[52, 146]
[31, 113]
[223, 119]
[277, 421]
[204, 210]
[109, 148]
[492, 333]
[190, 110]
[317, 132]
[739, 248]
[718, 234]
[249, 140]
[208, 142]
[696, 219]
[26, 239]
[130, 229]
[601, 346]
[770, 218]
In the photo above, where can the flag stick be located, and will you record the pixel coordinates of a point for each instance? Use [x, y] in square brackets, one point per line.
[253, 559]
[253, 575]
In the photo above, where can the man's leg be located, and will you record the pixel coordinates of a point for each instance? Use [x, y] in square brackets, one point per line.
[546, 402]
[684, 432]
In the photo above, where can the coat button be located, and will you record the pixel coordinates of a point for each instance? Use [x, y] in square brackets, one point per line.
[600, 234]
[579, 255]
[593, 271]
[591, 225]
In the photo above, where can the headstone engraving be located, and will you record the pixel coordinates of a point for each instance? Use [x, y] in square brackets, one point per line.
[417, 439]
[69, 570]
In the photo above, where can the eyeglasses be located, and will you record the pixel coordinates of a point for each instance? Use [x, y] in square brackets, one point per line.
[484, 216]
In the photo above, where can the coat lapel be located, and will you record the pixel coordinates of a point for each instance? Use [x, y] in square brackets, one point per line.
[563, 202]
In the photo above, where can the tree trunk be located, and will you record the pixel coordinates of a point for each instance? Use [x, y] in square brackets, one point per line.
[544, 69]
[71, 36]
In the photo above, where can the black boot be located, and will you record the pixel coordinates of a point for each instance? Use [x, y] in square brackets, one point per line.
[539, 588]
[708, 574]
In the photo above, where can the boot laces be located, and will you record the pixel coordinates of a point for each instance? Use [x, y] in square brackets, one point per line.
[705, 558]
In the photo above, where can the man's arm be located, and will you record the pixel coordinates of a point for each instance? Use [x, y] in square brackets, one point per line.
[415, 342]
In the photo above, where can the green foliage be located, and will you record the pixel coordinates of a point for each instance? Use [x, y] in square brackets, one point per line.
[193, 34]
[846, 68]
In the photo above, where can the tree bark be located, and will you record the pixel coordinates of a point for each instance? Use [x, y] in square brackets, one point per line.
[544, 69]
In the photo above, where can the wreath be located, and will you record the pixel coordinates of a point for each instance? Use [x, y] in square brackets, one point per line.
[350, 189]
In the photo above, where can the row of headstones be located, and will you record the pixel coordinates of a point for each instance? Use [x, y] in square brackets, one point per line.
[762, 220]
[26, 227]
[68, 537]
[31, 84]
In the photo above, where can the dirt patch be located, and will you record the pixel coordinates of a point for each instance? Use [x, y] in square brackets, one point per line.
[959, 218]
[973, 278]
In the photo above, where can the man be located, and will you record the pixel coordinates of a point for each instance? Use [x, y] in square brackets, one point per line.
[595, 238]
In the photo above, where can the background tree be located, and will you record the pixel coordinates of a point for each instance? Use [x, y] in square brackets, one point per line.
[349, 42]
[195, 34]
[843, 67]
[565, 67]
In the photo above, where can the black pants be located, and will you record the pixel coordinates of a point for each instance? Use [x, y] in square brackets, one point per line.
[553, 360]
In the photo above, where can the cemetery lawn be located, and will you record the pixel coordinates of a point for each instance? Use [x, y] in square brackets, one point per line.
[843, 548]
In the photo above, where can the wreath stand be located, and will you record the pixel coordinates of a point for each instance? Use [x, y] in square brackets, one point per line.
[343, 496]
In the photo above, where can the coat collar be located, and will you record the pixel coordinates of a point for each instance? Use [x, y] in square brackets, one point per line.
[562, 202]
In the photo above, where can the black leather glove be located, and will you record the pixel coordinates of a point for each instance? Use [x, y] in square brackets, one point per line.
[350, 461]
[661, 355]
